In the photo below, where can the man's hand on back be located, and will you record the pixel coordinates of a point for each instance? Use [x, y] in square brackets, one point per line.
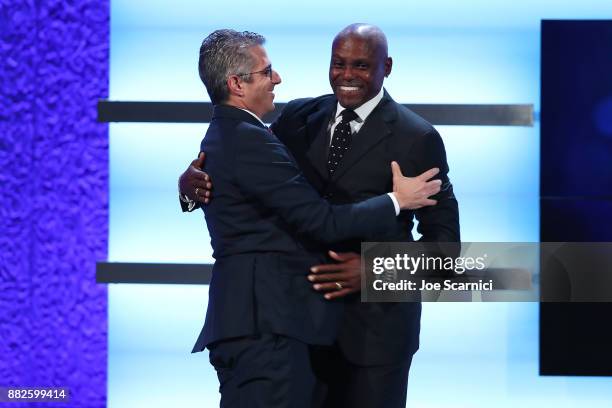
[414, 192]
[338, 279]
[195, 183]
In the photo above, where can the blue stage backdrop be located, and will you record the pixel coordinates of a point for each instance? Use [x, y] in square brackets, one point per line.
[54, 196]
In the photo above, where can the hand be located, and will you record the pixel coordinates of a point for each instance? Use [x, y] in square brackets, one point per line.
[195, 183]
[347, 272]
[414, 192]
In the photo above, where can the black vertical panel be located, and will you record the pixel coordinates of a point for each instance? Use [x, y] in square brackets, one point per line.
[576, 109]
[576, 183]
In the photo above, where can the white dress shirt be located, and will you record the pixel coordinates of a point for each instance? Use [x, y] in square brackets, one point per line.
[362, 112]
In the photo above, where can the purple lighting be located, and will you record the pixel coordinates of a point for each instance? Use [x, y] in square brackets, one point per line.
[54, 197]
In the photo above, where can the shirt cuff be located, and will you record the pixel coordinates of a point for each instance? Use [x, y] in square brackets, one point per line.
[395, 203]
[190, 204]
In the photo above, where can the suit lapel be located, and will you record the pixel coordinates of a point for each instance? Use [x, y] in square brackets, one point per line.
[316, 130]
[374, 130]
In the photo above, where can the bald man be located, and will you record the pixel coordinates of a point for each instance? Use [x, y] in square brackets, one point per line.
[368, 364]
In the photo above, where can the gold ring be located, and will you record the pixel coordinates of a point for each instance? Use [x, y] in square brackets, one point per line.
[196, 192]
[339, 285]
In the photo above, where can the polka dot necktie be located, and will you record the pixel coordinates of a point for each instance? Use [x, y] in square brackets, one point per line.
[341, 140]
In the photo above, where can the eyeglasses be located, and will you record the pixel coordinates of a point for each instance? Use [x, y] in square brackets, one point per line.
[267, 71]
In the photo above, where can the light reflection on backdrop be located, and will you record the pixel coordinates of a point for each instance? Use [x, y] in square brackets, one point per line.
[444, 52]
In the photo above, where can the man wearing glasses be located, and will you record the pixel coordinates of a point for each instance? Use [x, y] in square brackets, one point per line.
[263, 318]
[367, 365]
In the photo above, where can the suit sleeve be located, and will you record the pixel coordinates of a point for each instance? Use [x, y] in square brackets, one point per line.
[266, 171]
[439, 222]
[187, 206]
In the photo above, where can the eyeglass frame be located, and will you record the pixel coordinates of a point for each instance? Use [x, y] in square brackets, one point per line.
[267, 71]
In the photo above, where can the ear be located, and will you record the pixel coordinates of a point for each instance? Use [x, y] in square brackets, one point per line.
[234, 86]
[388, 66]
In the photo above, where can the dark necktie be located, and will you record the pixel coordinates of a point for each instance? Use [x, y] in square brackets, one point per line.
[341, 140]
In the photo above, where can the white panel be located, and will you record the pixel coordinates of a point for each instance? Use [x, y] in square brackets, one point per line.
[444, 51]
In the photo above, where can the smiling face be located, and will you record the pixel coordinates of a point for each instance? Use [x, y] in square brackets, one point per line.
[258, 92]
[358, 67]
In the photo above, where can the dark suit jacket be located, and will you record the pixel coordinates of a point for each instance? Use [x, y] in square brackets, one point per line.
[262, 211]
[374, 333]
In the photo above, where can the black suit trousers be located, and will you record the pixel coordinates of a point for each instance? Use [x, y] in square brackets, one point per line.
[343, 384]
[265, 371]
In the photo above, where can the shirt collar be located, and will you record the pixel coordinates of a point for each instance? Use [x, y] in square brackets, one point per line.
[254, 115]
[365, 109]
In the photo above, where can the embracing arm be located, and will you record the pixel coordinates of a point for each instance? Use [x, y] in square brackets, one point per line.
[439, 223]
[194, 185]
[265, 170]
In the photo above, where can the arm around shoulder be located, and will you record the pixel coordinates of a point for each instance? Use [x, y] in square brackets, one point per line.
[441, 221]
[265, 171]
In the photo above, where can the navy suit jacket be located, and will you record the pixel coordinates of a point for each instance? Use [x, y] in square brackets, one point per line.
[374, 333]
[262, 213]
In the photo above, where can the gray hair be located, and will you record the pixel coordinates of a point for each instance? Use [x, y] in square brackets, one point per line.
[224, 53]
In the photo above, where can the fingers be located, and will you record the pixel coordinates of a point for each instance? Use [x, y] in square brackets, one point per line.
[196, 178]
[335, 256]
[343, 256]
[432, 187]
[202, 195]
[202, 192]
[329, 277]
[346, 273]
[199, 162]
[195, 174]
[332, 291]
[428, 174]
[328, 286]
[425, 202]
[338, 294]
[425, 176]
[429, 202]
[396, 171]
[326, 268]
[332, 267]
